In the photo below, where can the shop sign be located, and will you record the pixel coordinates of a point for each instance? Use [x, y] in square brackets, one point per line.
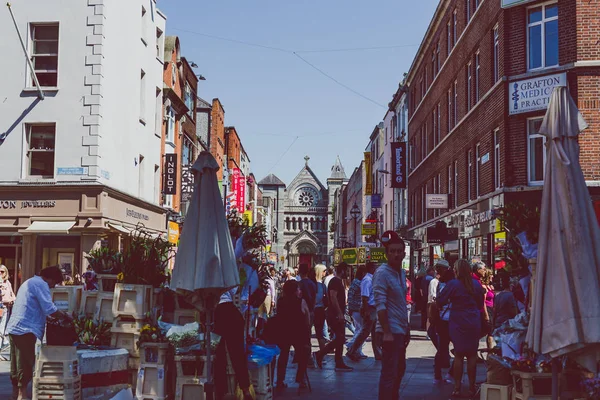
[170, 174]
[513, 3]
[187, 183]
[235, 187]
[349, 256]
[377, 255]
[533, 94]
[13, 204]
[241, 193]
[375, 201]
[173, 232]
[439, 201]
[479, 218]
[362, 255]
[72, 171]
[399, 165]
[136, 214]
[441, 234]
[368, 177]
[248, 218]
[369, 229]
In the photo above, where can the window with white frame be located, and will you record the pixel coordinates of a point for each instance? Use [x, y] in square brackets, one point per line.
[469, 85]
[41, 140]
[170, 125]
[44, 54]
[477, 66]
[426, 138]
[454, 27]
[468, 9]
[497, 183]
[189, 100]
[439, 122]
[536, 158]
[411, 155]
[144, 25]
[160, 44]
[433, 64]
[423, 145]
[496, 60]
[542, 36]
[449, 110]
[422, 87]
[469, 169]
[477, 166]
[141, 175]
[439, 188]
[455, 184]
[187, 154]
[455, 109]
[142, 96]
[476, 4]
[434, 127]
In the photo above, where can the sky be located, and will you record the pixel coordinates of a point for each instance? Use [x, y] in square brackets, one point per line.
[283, 108]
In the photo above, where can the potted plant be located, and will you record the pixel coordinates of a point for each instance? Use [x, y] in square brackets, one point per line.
[106, 263]
[153, 343]
[91, 332]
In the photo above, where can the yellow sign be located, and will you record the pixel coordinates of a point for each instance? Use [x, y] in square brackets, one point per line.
[362, 255]
[369, 229]
[173, 231]
[337, 256]
[247, 217]
[368, 177]
[349, 256]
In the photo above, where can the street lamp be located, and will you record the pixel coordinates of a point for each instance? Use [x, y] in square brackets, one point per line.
[355, 213]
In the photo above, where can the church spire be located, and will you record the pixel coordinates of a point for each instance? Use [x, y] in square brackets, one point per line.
[337, 171]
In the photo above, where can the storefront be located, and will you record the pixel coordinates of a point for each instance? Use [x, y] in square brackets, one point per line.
[59, 225]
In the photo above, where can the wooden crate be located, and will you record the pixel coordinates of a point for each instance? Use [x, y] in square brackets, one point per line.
[132, 300]
[151, 382]
[189, 388]
[50, 389]
[88, 303]
[496, 392]
[104, 308]
[67, 298]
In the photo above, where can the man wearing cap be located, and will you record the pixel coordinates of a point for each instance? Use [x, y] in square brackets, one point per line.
[389, 287]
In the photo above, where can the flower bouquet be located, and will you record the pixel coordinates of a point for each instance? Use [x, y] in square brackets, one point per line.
[92, 333]
[591, 387]
[151, 333]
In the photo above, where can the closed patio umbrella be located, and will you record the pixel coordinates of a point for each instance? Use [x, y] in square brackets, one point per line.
[205, 264]
[565, 316]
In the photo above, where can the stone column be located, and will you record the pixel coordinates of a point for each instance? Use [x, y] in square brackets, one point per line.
[28, 257]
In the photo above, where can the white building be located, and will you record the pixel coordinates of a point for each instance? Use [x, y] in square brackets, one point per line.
[80, 163]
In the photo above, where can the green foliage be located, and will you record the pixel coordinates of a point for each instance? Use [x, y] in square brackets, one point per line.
[104, 261]
[518, 217]
[91, 332]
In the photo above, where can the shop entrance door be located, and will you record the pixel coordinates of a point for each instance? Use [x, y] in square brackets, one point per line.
[306, 259]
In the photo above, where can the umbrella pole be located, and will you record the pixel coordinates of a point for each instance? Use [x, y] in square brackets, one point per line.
[209, 385]
[555, 366]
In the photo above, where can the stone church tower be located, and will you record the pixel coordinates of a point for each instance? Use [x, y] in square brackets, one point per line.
[303, 215]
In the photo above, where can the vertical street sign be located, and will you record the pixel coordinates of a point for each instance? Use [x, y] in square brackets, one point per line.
[170, 186]
[187, 183]
[399, 165]
[235, 187]
[241, 194]
[368, 177]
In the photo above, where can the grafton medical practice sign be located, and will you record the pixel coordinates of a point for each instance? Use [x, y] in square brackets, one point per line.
[533, 94]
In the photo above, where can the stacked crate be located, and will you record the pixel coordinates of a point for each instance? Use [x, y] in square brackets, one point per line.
[56, 374]
[67, 298]
[261, 378]
[191, 376]
[152, 372]
[130, 305]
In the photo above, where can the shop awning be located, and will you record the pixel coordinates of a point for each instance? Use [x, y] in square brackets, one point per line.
[55, 227]
[120, 228]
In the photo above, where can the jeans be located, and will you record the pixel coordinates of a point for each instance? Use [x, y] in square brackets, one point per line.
[358, 326]
[368, 328]
[432, 333]
[320, 325]
[339, 330]
[229, 324]
[393, 366]
[22, 359]
[442, 356]
[301, 352]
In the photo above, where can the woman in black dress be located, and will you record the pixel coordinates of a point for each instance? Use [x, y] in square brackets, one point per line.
[293, 330]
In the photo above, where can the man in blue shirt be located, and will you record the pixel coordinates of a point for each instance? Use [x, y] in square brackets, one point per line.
[389, 287]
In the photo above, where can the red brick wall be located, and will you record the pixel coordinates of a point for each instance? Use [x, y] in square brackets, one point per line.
[217, 134]
[233, 147]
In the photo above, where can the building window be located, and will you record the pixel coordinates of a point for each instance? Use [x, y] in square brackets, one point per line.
[536, 158]
[454, 28]
[142, 96]
[449, 110]
[422, 203]
[477, 166]
[455, 109]
[170, 128]
[422, 87]
[469, 169]
[426, 139]
[439, 122]
[433, 64]
[449, 33]
[497, 184]
[144, 25]
[496, 54]
[468, 9]
[189, 99]
[450, 186]
[476, 4]
[469, 85]
[411, 155]
[542, 36]
[44, 54]
[423, 145]
[437, 58]
[41, 140]
[434, 127]
[477, 65]
[455, 191]
[187, 154]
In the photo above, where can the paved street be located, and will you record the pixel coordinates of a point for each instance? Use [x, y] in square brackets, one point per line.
[359, 384]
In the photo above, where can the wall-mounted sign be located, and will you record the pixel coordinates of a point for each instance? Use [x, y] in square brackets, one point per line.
[436, 201]
[485, 158]
[136, 214]
[533, 94]
[479, 218]
[362, 255]
[349, 256]
[72, 171]
[236, 173]
[187, 183]
[441, 234]
[248, 217]
[241, 194]
[173, 232]
[13, 204]
[377, 255]
[368, 176]
[369, 229]
[337, 256]
[399, 165]
[170, 186]
[375, 201]
[514, 3]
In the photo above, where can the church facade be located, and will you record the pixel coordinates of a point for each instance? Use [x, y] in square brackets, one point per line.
[303, 215]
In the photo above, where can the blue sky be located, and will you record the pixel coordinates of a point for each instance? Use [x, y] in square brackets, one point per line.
[271, 96]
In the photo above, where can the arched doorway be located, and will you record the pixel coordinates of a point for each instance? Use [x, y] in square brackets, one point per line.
[306, 253]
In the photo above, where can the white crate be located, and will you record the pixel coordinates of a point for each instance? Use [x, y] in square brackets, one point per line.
[132, 300]
[151, 381]
[189, 388]
[496, 392]
[127, 341]
[104, 307]
[67, 389]
[88, 303]
[67, 298]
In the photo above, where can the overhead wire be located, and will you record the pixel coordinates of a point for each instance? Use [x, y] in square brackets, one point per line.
[283, 154]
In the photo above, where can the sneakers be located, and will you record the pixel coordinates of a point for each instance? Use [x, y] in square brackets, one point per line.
[319, 359]
[343, 368]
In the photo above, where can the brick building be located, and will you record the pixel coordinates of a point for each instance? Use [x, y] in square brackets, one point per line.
[478, 89]
[217, 136]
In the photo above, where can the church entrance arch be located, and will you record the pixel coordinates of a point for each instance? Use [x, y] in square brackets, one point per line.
[306, 253]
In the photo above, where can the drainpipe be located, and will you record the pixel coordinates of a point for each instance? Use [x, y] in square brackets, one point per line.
[35, 79]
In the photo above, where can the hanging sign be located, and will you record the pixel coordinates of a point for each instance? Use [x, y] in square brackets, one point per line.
[349, 256]
[369, 229]
[235, 187]
[187, 183]
[439, 201]
[241, 194]
[170, 186]
[368, 176]
[377, 255]
[399, 165]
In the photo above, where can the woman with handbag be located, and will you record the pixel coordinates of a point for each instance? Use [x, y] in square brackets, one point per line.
[320, 305]
[465, 295]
